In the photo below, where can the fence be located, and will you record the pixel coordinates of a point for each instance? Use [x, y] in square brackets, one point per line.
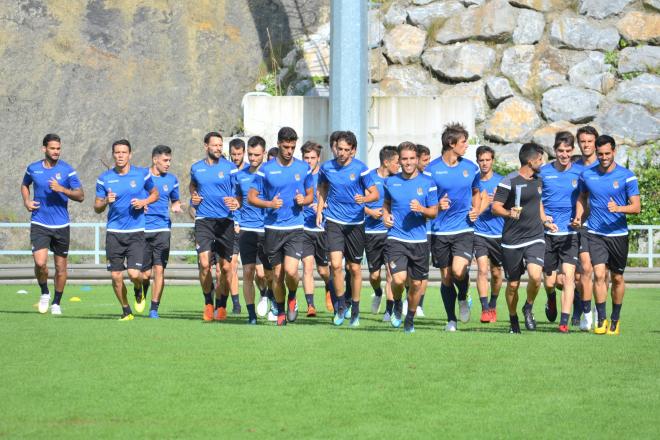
[98, 252]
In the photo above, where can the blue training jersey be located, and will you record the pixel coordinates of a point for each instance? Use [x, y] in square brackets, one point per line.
[489, 225]
[53, 206]
[344, 183]
[157, 215]
[399, 192]
[284, 181]
[132, 185]
[619, 184]
[560, 194]
[580, 162]
[457, 182]
[250, 217]
[308, 211]
[371, 225]
[214, 183]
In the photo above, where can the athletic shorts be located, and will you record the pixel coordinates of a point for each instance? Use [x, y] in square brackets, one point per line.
[55, 239]
[280, 243]
[612, 251]
[560, 249]
[515, 260]
[125, 247]
[445, 247]
[157, 249]
[251, 244]
[216, 235]
[583, 241]
[347, 239]
[374, 247]
[237, 247]
[410, 257]
[490, 247]
[316, 243]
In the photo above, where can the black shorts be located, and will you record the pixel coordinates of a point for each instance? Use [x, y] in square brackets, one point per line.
[251, 244]
[410, 257]
[215, 234]
[375, 250]
[560, 249]
[583, 241]
[612, 251]
[55, 239]
[280, 243]
[237, 246]
[316, 243]
[490, 247]
[347, 239]
[445, 247]
[157, 249]
[124, 247]
[515, 260]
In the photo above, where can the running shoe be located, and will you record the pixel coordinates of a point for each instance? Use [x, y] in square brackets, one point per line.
[530, 322]
[311, 311]
[44, 302]
[262, 306]
[419, 312]
[613, 329]
[563, 328]
[292, 313]
[220, 313]
[375, 304]
[601, 327]
[128, 317]
[55, 309]
[451, 326]
[153, 314]
[208, 312]
[140, 302]
[551, 309]
[586, 321]
[464, 311]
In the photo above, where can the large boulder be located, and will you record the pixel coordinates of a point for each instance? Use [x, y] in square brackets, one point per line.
[570, 103]
[592, 73]
[424, 16]
[653, 4]
[529, 28]
[514, 120]
[459, 62]
[474, 91]
[643, 90]
[497, 90]
[536, 68]
[396, 14]
[542, 5]
[494, 21]
[517, 63]
[404, 44]
[376, 29]
[640, 27]
[545, 136]
[639, 59]
[580, 33]
[412, 80]
[602, 8]
[630, 122]
[377, 64]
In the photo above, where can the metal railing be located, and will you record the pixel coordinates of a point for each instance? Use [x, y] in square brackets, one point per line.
[97, 252]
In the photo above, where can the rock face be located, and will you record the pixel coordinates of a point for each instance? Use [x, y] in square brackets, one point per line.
[639, 59]
[579, 33]
[404, 44]
[377, 64]
[459, 62]
[517, 63]
[542, 5]
[315, 60]
[571, 104]
[592, 73]
[497, 90]
[473, 90]
[640, 27]
[376, 29]
[396, 14]
[630, 122]
[653, 4]
[514, 120]
[529, 28]
[424, 16]
[546, 136]
[602, 8]
[411, 80]
[643, 90]
[494, 21]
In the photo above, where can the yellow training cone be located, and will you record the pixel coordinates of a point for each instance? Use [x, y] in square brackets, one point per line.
[74, 299]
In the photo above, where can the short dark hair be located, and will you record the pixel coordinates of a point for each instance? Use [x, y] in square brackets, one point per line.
[237, 144]
[121, 142]
[483, 149]
[604, 139]
[587, 129]
[528, 152]
[273, 152]
[287, 134]
[348, 137]
[423, 150]
[210, 134]
[452, 134]
[161, 149]
[407, 146]
[334, 136]
[311, 146]
[564, 137]
[387, 153]
[255, 141]
[51, 137]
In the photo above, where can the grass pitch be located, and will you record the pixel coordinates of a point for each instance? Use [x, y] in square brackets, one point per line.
[84, 374]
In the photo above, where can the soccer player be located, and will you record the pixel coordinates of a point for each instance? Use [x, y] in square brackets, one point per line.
[560, 191]
[315, 244]
[518, 200]
[376, 232]
[452, 236]
[410, 199]
[256, 268]
[611, 192]
[488, 238]
[214, 198]
[121, 188]
[157, 228]
[344, 187]
[272, 153]
[283, 186]
[54, 182]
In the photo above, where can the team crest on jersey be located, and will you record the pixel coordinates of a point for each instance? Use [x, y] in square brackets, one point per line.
[133, 184]
[221, 174]
[615, 184]
[165, 188]
[352, 176]
[574, 183]
[465, 173]
[420, 191]
[297, 177]
[58, 176]
[540, 190]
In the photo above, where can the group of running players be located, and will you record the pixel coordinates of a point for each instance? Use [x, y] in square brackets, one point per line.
[563, 223]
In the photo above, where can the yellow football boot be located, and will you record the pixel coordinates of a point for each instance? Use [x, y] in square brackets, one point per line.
[602, 329]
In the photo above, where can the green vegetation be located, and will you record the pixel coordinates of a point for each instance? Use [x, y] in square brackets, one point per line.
[648, 179]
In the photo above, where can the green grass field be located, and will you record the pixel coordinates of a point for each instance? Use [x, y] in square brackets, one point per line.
[84, 374]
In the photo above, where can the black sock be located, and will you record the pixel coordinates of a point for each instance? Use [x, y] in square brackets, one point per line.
[126, 310]
[462, 287]
[513, 319]
[484, 303]
[586, 307]
[355, 309]
[397, 306]
[251, 313]
[145, 286]
[292, 295]
[349, 288]
[449, 301]
[44, 288]
[208, 298]
[333, 296]
[280, 308]
[221, 301]
[154, 305]
[410, 317]
[563, 320]
[270, 294]
[577, 306]
[57, 298]
[137, 291]
[263, 292]
[616, 311]
[341, 303]
[309, 297]
[378, 292]
[492, 304]
[552, 296]
[389, 305]
[421, 301]
[235, 300]
[602, 312]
